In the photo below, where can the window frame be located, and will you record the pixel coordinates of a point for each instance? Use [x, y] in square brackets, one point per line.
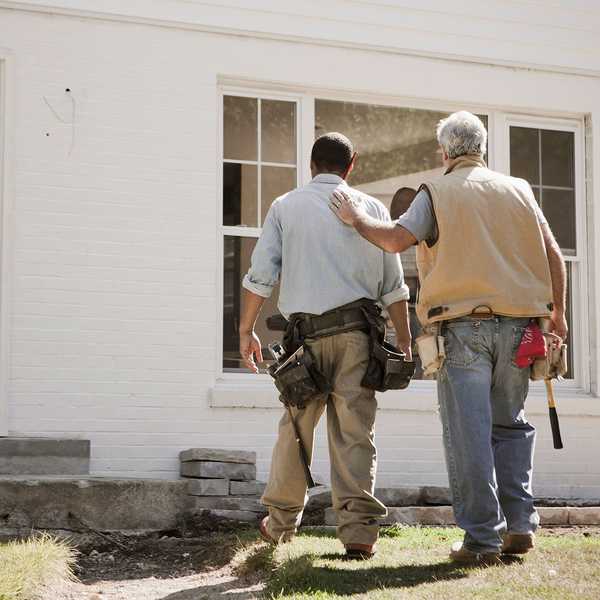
[579, 261]
[499, 122]
[242, 231]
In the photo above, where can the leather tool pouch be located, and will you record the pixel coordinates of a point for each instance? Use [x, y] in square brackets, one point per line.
[298, 379]
[554, 364]
[387, 368]
[431, 350]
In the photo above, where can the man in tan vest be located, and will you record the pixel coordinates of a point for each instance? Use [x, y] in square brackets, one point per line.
[488, 263]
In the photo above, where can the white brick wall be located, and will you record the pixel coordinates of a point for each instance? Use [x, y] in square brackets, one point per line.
[113, 329]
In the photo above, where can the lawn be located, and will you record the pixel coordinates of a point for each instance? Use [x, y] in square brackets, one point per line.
[412, 563]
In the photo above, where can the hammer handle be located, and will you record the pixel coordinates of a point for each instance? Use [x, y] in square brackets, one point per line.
[554, 424]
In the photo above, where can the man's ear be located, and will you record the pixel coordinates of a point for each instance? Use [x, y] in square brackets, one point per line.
[350, 166]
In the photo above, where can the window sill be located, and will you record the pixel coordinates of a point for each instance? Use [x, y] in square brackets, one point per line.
[420, 397]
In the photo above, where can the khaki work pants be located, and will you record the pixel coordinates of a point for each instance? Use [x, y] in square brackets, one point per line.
[351, 411]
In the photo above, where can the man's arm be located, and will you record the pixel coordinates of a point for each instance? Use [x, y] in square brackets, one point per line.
[259, 283]
[399, 315]
[250, 347]
[385, 235]
[558, 274]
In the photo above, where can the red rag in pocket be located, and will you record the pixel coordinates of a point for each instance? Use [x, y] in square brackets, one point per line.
[532, 346]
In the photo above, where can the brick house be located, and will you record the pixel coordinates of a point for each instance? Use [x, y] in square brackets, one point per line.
[141, 146]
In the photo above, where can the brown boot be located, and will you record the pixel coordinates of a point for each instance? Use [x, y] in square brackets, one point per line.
[518, 543]
[360, 551]
[463, 555]
[264, 534]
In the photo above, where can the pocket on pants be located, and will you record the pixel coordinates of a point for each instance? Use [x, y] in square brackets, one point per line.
[461, 342]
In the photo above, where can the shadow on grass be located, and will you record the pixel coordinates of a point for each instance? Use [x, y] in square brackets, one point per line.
[302, 575]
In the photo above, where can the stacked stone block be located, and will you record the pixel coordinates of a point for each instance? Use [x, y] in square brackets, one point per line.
[223, 482]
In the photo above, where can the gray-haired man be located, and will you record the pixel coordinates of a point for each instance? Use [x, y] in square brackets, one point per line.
[488, 263]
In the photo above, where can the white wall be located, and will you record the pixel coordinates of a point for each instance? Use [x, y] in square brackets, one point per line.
[115, 274]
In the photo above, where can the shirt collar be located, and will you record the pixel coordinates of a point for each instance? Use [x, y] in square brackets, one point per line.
[465, 161]
[328, 178]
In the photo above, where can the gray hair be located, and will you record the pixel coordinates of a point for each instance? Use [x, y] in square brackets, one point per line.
[462, 133]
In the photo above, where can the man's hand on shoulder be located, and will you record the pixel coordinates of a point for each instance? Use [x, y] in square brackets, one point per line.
[347, 209]
[251, 350]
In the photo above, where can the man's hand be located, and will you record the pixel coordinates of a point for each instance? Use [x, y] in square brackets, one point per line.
[559, 324]
[250, 349]
[404, 344]
[347, 209]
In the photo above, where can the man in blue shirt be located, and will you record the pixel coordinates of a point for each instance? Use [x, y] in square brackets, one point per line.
[323, 265]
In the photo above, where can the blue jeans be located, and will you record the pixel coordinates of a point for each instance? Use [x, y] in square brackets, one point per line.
[487, 440]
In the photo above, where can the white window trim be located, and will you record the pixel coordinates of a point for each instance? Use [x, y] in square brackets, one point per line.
[249, 232]
[579, 279]
[7, 123]
[246, 390]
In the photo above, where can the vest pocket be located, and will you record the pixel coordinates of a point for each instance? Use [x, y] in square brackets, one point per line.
[461, 342]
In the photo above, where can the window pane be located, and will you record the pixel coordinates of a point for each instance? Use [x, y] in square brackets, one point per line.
[240, 194]
[278, 124]
[557, 158]
[525, 154]
[237, 254]
[240, 123]
[275, 182]
[397, 147]
[559, 208]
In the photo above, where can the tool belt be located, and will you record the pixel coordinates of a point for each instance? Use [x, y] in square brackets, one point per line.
[297, 375]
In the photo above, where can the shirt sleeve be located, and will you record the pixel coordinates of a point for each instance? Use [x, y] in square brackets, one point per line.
[265, 265]
[419, 218]
[393, 289]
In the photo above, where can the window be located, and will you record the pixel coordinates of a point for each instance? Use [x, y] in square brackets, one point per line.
[546, 159]
[397, 148]
[260, 162]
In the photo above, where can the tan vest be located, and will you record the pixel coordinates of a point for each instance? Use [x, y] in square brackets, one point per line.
[490, 250]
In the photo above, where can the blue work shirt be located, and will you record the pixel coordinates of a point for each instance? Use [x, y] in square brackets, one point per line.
[321, 262]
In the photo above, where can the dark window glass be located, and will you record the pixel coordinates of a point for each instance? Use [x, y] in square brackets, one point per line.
[525, 154]
[275, 182]
[278, 124]
[237, 255]
[240, 194]
[559, 209]
[557, 158]
[240, 123]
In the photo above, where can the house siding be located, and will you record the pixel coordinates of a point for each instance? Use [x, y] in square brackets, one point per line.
[115, 273]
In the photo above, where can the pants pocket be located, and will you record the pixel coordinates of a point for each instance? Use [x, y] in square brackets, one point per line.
[461, 342]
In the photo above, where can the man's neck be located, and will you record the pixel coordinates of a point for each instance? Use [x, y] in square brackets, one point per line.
[337, 174]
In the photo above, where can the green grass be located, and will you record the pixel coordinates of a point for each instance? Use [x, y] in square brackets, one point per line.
[34, 568]
[412, 562]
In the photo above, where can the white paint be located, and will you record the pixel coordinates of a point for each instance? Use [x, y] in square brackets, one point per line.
[116, 255]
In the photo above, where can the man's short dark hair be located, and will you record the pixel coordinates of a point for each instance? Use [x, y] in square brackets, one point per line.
[332, 153]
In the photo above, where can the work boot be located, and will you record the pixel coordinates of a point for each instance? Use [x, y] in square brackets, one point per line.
[463, 555]
[518, 543]
[265, 535]
[360, 551]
